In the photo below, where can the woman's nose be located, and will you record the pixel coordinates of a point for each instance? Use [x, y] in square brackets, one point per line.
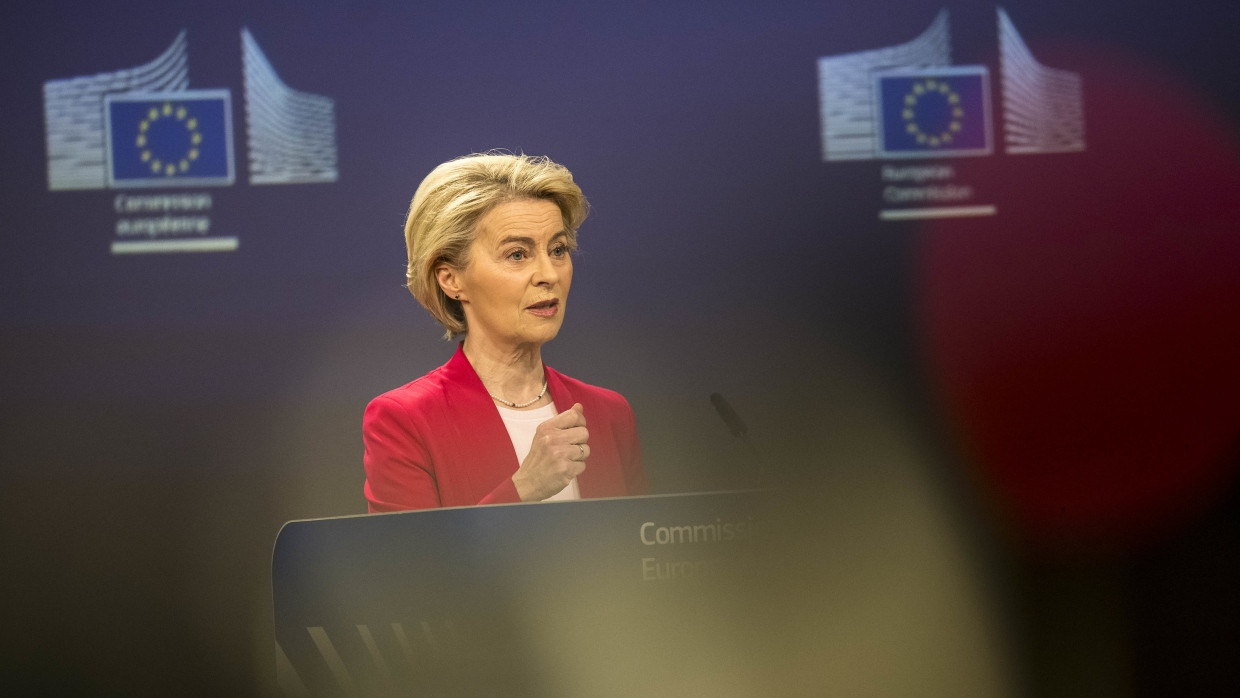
[546, 272]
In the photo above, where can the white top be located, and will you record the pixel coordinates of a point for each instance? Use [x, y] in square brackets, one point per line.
[521, 425]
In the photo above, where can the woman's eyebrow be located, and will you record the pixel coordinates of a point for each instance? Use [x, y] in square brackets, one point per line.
[525, 240]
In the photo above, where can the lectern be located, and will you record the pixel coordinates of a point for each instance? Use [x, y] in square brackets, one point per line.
[518, 599]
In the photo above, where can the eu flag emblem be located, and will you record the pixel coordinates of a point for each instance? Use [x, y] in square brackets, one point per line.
[169, 139]
[933, 112]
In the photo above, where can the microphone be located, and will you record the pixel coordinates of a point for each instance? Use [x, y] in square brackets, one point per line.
[738, 429]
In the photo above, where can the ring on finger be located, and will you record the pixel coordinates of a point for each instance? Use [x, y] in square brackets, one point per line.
[582, 449]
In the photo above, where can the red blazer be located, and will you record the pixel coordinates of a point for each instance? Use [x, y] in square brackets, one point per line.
[440, 442]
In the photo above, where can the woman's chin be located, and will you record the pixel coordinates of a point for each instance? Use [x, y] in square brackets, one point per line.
[542, 335]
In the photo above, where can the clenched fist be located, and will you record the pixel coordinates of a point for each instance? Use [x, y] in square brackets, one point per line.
[558, 455]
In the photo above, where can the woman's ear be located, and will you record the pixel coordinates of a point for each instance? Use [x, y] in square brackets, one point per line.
[449, 282]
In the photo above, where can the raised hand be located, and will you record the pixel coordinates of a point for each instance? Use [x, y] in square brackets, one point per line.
[558, 455]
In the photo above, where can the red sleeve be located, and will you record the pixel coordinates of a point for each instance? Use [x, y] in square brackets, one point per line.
[504, 493]
[399, 472]
[401, 469]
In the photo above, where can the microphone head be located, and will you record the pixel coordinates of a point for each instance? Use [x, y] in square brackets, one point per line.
[728, 415]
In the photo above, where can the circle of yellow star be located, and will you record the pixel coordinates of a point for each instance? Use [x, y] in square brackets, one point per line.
[932, 89]
[171, 164]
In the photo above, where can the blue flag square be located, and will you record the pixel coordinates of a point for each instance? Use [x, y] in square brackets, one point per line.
[936, 112]
[169, 139]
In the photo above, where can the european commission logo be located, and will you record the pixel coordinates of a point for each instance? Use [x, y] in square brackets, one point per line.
[909, 101]
[169, 139]
[145, 127]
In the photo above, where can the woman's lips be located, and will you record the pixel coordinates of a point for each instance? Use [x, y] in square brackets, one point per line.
[546, 308]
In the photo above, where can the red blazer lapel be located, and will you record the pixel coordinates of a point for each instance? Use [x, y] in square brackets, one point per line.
[479, 438]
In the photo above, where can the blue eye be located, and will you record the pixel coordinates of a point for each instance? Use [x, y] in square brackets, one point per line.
[559, 250]
[516, 255]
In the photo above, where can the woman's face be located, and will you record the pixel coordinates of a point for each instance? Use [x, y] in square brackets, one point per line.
[515, 286]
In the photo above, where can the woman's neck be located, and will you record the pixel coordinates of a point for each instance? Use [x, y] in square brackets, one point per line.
[514, 374]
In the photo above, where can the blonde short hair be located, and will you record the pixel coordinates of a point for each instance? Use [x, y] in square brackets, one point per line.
[443, 217]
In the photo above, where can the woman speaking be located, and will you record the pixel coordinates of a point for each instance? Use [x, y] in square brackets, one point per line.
[490, 240]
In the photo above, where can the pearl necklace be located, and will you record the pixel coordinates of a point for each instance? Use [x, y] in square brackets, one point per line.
[524, 404]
